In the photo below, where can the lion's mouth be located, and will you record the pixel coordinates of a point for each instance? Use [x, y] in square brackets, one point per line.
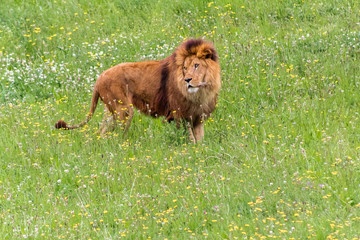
[194, 89]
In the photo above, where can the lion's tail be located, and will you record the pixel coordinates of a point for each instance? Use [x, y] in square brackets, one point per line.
[94, 102]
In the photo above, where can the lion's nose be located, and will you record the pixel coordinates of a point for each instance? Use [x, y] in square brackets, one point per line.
[188, 80]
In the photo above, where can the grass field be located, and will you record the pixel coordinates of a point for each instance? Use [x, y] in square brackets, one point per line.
[280, 158]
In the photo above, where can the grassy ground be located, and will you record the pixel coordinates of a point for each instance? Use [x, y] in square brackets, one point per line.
[280, 158]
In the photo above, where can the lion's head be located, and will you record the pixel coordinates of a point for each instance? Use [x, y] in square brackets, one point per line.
[198, 68]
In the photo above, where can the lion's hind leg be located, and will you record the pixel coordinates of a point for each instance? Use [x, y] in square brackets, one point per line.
[123, 116]
[108, 123]
[114, 115]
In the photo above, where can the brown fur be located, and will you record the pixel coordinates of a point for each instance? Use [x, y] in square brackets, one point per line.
[183, 86]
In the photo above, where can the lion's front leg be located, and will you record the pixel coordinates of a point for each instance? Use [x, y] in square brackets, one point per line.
[196, 132]
[191, 132]
[196, 129]
[199, 131]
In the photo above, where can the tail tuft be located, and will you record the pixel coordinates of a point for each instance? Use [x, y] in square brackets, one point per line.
[61, 124]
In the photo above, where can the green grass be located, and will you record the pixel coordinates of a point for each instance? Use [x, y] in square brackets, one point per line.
[280, 158]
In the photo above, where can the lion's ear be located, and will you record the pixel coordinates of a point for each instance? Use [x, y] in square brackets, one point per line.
[207, 53]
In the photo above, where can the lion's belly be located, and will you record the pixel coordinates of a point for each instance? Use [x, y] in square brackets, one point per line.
[144, 106]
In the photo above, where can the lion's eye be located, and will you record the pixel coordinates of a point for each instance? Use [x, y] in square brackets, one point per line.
[184, 68]
[196, 66]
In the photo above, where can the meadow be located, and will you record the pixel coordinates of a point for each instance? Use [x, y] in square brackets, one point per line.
[280, 158]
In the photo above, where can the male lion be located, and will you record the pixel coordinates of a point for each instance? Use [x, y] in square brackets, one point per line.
[183, 86]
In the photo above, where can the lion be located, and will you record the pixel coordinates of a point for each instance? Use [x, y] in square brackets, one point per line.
[182, 87]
